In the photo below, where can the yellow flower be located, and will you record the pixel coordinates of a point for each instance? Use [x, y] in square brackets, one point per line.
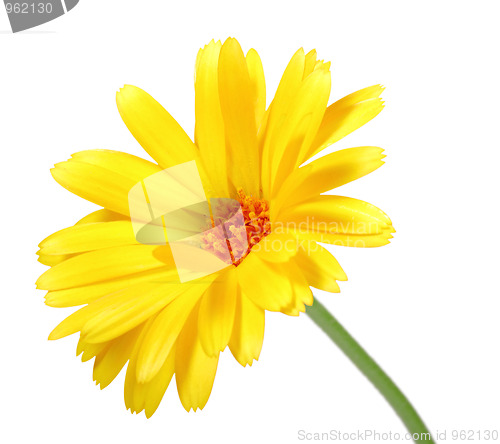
[136, 307]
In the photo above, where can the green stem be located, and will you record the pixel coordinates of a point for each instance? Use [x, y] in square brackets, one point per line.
[398, 401]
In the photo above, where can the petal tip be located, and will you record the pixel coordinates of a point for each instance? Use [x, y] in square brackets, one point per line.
[54, 335]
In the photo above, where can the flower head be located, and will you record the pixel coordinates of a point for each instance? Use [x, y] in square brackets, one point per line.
[263, 217]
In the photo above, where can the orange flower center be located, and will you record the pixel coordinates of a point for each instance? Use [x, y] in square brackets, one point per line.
[242, 226]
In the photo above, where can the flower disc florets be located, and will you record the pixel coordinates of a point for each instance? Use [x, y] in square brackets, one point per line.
[238, 234]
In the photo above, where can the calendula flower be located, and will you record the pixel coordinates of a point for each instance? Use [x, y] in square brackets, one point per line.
[139, 306]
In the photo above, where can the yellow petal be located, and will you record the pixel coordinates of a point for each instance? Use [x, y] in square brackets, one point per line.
[371, 92]
[89, 350]
[237, 104]
[217, 309]
[348, 239]
[119, 162]
[327, 173]
[116, 313]
[104, 177]
[257, 79]
[280, 106]
[101, 265]
[296, 132]
[264, 283]
[248, 331]
[336, 214]
[85, 294]
[147, 396]
[276, 247]
[126, 309]
[338, 220]
[155, 389]
[52, 260]
[103, 215]
[194, 369]
[87, 237]
[96, 216]
[154, 128]
[95, 184]
[163, 333]
[319, 267]
[110, 361]
[301, 292]
[345, 116]
[209, 127]
[261, 137]
[310, 63]
[320, 64]
[134, 392]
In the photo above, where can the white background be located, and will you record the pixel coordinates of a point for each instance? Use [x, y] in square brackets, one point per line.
[426, 307]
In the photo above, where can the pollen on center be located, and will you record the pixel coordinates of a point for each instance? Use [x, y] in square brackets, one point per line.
[242, 227]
